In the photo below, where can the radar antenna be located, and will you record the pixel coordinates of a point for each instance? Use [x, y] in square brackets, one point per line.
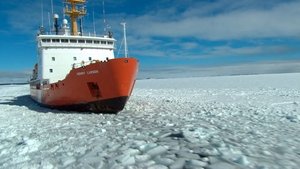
[104, 19]
[94, 24]
[42, 12]
[52, 14]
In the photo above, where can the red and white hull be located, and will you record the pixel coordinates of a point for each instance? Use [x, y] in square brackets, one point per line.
[97, 87]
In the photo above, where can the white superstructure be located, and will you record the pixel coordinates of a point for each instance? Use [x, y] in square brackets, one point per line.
[64, 49]
[58, 54]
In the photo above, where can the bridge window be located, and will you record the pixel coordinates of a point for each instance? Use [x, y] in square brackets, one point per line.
[110, 43]
[73, 40]
[45, 40]
[81, 41]
[89, 41]
[103, 42]
[96, 42]
[65, 40]
[55, 40]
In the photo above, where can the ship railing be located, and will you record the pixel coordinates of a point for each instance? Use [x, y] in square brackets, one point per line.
[85, 63]
[89, 34]
[77, 45]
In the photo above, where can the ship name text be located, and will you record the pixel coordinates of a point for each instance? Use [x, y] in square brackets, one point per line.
[87, 72]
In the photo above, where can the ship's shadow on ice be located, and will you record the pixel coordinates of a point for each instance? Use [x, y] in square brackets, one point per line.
[26, 101]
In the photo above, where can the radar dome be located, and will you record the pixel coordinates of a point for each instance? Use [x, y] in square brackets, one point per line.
[65, 21]
[56, 16]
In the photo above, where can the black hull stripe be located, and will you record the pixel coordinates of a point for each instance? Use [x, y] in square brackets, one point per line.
[113, 105]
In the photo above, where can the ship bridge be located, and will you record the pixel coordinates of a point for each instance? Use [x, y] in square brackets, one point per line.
[50, 41]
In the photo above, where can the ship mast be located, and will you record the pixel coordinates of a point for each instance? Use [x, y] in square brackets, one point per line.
[124, 38]
[74, 13]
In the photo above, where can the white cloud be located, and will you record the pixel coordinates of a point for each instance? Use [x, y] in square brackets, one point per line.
[14, 74]
[248, 51]
[280, 20]
[25, 18]
[238, 69]
[222, 20]
[176, 29]
[219, 20]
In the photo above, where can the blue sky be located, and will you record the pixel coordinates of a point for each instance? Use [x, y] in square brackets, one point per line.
[170, 34]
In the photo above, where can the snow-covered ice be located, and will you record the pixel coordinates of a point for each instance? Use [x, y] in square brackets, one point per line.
[224, 122]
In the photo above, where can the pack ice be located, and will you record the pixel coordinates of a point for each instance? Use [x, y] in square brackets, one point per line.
[229, 122]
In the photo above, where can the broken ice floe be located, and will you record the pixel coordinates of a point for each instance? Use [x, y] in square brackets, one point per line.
[210, 123]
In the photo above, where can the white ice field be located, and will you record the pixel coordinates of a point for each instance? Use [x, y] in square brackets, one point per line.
[225, 122]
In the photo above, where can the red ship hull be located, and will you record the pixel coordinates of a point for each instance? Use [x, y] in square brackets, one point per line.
[98, 87]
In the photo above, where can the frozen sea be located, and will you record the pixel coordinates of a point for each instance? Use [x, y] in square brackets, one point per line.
[226, 122]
